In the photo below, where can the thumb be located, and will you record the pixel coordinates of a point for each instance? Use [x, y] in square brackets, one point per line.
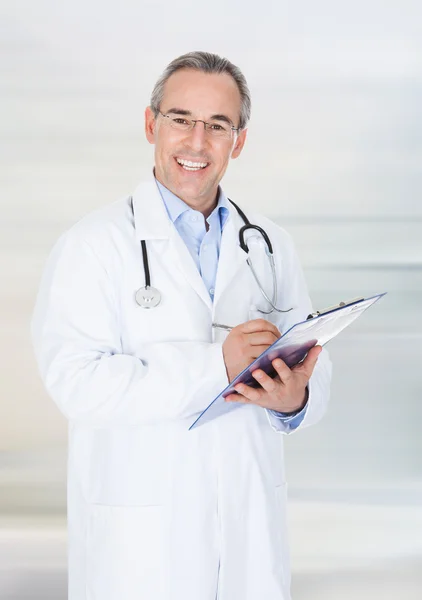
[310, 361]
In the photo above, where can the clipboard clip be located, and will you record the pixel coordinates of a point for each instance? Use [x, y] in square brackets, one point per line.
[318, 313]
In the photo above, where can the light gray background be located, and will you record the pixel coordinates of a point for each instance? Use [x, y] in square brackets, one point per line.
[333, 154]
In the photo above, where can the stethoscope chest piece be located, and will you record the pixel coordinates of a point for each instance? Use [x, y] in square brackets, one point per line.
[148, 297]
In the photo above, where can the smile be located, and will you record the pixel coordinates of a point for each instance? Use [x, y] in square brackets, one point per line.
[188, 165]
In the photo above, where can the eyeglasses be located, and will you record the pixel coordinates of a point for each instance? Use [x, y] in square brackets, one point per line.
[214, 128]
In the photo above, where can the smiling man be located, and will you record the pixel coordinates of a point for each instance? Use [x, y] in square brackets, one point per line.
[190, 159]
[146, 311]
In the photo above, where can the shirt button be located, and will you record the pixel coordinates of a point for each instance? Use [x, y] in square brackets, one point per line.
[212, 290]
[204, 247]
[194, 218]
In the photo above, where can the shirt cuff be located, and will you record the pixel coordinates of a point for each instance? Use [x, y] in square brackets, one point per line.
[292, 420]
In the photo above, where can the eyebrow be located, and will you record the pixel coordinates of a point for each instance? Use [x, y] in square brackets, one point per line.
[187, 113]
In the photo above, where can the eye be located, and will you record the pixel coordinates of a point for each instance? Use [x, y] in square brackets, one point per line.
[217, 127]
[180, 121]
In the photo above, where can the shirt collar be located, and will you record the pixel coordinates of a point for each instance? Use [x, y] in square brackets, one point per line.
[175, 206]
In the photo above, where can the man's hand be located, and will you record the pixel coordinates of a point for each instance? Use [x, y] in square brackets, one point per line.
[286, 393]
[245, 343]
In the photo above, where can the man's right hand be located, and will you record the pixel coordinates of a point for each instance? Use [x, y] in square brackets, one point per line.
[245, 343]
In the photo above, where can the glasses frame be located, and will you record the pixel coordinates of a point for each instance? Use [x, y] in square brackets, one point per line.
[195, 121]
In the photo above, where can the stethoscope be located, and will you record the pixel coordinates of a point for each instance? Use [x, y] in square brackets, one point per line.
[150, 297]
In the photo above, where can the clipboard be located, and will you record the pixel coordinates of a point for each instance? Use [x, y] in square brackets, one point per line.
[318, 329]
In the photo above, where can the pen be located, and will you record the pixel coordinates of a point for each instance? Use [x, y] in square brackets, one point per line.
[220, 326]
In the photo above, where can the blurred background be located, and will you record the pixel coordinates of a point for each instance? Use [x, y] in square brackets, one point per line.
[334, 155]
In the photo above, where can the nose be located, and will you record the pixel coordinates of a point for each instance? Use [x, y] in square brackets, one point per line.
[198, 136]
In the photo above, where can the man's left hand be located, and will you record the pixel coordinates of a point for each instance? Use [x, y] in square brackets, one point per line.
[286, 392]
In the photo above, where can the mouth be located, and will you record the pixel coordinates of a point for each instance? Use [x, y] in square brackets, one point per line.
[192, 166]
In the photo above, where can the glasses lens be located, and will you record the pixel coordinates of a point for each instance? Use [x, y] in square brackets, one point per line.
[180, 123]
[219, 129]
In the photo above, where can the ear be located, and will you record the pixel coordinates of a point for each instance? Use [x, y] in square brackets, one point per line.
[150, 124]
[240, 142]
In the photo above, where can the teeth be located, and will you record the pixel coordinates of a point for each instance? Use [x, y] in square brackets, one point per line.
[192, 166]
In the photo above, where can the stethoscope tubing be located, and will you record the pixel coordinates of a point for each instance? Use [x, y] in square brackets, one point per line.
[155, 297]
[269, 252]
[146, 265]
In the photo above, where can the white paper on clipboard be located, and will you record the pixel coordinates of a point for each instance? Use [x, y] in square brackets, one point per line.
[291, 347]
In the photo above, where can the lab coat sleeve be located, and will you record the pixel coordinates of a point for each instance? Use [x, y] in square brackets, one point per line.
[76, 338]
[294, 293]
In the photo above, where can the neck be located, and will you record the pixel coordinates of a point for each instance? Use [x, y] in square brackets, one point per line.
[205, 208]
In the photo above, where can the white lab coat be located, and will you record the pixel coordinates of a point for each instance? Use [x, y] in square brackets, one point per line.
[157, 512]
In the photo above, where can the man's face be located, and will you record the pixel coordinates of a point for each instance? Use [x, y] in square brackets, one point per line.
[203, 96]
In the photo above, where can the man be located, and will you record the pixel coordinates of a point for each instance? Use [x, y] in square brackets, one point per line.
[155, 511]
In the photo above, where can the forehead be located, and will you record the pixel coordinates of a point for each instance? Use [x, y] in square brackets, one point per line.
[203, 94]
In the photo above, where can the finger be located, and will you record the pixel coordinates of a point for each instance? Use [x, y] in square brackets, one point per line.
[282, 369]
[260, 325]
[248, 394]
[268, 383]
[262, 337]
[308, 365]
[232, 398]
[236, 398]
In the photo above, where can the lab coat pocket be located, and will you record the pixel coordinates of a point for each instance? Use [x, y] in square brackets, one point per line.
[125, 553]
[255, 314]
[123, 466]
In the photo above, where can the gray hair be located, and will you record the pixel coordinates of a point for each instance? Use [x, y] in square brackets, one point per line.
[207, 63]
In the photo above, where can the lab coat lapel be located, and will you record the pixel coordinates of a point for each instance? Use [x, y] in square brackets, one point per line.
[152, 222]
[178, 251]
[232, 257]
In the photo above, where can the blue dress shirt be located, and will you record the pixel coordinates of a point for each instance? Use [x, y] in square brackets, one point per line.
[204, 247]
